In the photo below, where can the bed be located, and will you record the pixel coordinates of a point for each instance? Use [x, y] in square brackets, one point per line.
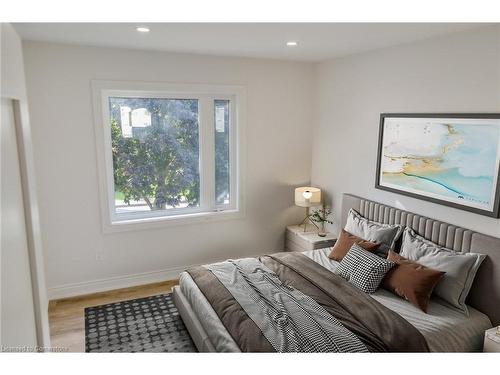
[443, 328]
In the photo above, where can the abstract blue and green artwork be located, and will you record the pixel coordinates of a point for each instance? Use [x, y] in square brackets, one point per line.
[447, 159]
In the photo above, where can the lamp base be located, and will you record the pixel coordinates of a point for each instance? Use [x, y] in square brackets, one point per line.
[306, 220]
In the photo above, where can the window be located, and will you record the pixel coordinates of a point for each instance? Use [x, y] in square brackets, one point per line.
[222, 162]
[168, 154]
[156, 154]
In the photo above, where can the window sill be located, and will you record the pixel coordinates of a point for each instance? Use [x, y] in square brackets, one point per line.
[167, 221]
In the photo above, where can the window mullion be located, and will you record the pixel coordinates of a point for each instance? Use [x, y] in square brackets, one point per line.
[207, 153]
[233, 155]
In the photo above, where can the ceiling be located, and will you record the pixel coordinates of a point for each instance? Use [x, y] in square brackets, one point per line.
[316, 41]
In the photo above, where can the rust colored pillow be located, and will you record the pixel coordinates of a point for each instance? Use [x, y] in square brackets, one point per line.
[344, 243]
[411, 280]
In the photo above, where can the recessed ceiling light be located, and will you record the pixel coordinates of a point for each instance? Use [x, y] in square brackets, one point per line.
[142, 29]
[292, 43]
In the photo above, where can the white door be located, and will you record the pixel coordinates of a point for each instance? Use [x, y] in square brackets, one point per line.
[17, 316]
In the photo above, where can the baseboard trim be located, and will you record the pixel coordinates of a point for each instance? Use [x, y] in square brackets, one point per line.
[118, 282]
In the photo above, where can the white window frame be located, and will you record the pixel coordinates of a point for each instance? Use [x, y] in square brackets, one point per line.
[208, 210]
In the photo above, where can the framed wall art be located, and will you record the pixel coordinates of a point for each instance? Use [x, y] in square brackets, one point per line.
[450, 159]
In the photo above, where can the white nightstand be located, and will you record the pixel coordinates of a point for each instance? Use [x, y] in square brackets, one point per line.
[298, 240]
[492, 340]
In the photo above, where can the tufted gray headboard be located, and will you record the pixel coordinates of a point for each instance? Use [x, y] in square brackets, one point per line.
[485, 292]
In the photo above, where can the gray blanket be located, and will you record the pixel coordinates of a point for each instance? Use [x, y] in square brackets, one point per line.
[377, 327]
[290, 320]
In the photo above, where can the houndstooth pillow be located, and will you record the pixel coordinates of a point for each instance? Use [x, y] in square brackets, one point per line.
[363, 269]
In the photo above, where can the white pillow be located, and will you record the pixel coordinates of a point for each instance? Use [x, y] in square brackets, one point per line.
[460, 268]
[384, 234]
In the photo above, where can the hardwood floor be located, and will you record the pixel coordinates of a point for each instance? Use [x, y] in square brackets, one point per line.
[66, 316]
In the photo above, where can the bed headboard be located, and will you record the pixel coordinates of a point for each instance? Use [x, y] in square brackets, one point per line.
[485, 292]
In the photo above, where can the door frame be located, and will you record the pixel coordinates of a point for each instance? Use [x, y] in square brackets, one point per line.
[32, 219]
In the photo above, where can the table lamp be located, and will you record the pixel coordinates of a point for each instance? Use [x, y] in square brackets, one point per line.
[307, 196]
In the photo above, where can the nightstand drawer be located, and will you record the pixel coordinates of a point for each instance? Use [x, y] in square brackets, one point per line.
[298, 240]
[491, 341]
[295, 246]
[321, 244]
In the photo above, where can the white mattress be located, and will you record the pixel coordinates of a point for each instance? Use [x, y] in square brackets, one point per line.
[444, 328]
[220, 338]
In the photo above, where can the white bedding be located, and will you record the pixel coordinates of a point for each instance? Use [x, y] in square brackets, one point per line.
[444, 328]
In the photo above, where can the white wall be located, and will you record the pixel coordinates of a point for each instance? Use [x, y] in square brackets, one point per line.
[455, 73]
[12, 72]
[278, 158]
[23, 295]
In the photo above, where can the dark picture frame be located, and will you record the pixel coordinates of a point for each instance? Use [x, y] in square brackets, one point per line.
[494, 212]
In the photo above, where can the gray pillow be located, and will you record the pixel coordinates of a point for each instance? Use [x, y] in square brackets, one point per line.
[384, 234]
[363, 269]
[460, 268]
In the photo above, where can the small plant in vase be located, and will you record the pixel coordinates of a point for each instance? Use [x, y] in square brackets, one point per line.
[321, 216]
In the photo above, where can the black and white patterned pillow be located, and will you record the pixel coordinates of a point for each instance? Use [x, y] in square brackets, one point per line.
[363, 269]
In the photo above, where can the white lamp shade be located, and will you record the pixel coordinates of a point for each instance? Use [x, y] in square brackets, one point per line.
[307, 196]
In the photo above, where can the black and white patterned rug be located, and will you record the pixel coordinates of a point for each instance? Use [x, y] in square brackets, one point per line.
[150, 324]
